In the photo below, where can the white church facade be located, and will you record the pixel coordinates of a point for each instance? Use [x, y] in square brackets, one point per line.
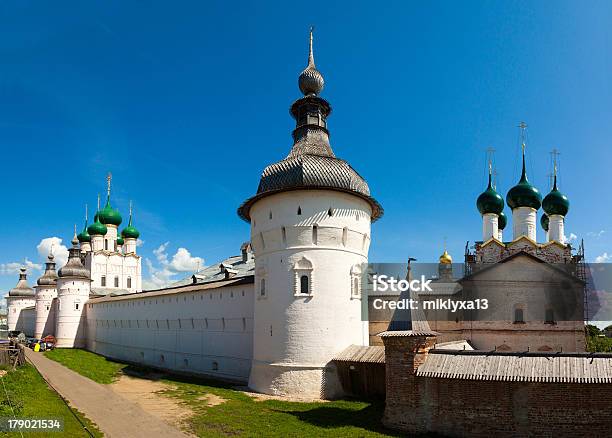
[275, 315]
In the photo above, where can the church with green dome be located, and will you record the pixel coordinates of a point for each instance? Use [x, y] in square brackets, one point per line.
[108, 253]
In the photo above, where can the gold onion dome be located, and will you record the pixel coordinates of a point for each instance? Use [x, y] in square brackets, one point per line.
[446, 258]
[311, 81]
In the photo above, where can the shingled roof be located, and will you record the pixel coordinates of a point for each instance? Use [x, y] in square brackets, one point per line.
[518, 367]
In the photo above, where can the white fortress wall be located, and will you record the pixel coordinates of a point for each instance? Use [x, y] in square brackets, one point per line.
[202, 329]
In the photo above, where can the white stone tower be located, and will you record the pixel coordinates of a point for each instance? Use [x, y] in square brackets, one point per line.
[310, 232]
[20, 297]
[73, 288]
[46, 294]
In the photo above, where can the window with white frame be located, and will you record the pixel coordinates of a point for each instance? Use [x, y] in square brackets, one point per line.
[302, 272]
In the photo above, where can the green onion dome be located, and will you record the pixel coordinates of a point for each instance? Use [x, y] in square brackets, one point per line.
[109, 215]
[97, 228]
[502, 221]
[490, 201]
[130, 232]
[120, 241]
[84, 236]
[544, 220]
[556, 202]
[524, 194]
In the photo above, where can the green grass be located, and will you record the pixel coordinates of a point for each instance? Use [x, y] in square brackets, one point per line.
[30, 397]
[241, 415]
[90, 365]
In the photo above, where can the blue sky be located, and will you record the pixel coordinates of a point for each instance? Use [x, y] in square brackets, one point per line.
[186, 102]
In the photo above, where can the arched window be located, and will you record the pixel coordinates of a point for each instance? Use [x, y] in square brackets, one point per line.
[116, 281]
[299, 212]
[103, 281]
[315, 233]
[262, 287]
[129, 282]
[106, 244]
[302, 270]
[356, 281]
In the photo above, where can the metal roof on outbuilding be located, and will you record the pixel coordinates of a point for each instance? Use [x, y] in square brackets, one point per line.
[518, 367]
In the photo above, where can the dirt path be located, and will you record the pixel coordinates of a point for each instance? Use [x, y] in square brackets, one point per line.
[146, 393]
[114, 414]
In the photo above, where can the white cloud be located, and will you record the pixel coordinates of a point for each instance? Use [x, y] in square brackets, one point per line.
[59, 251]
[596, 234]
[572, 238]
[139, 242]
[182, 261]
[43, 248]
[14, 267]
[166, 269]
[604, 258]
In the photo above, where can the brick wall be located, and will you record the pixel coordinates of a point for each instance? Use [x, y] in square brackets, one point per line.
[483, 408]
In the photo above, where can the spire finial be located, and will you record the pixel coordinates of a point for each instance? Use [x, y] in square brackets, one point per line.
[555, 155]
[311, 62]
[131, 209]
[98, 202]
[109, 177]
[75, 240]
[490, 152]
[311, 81]
[86, 213]
[523, 126]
